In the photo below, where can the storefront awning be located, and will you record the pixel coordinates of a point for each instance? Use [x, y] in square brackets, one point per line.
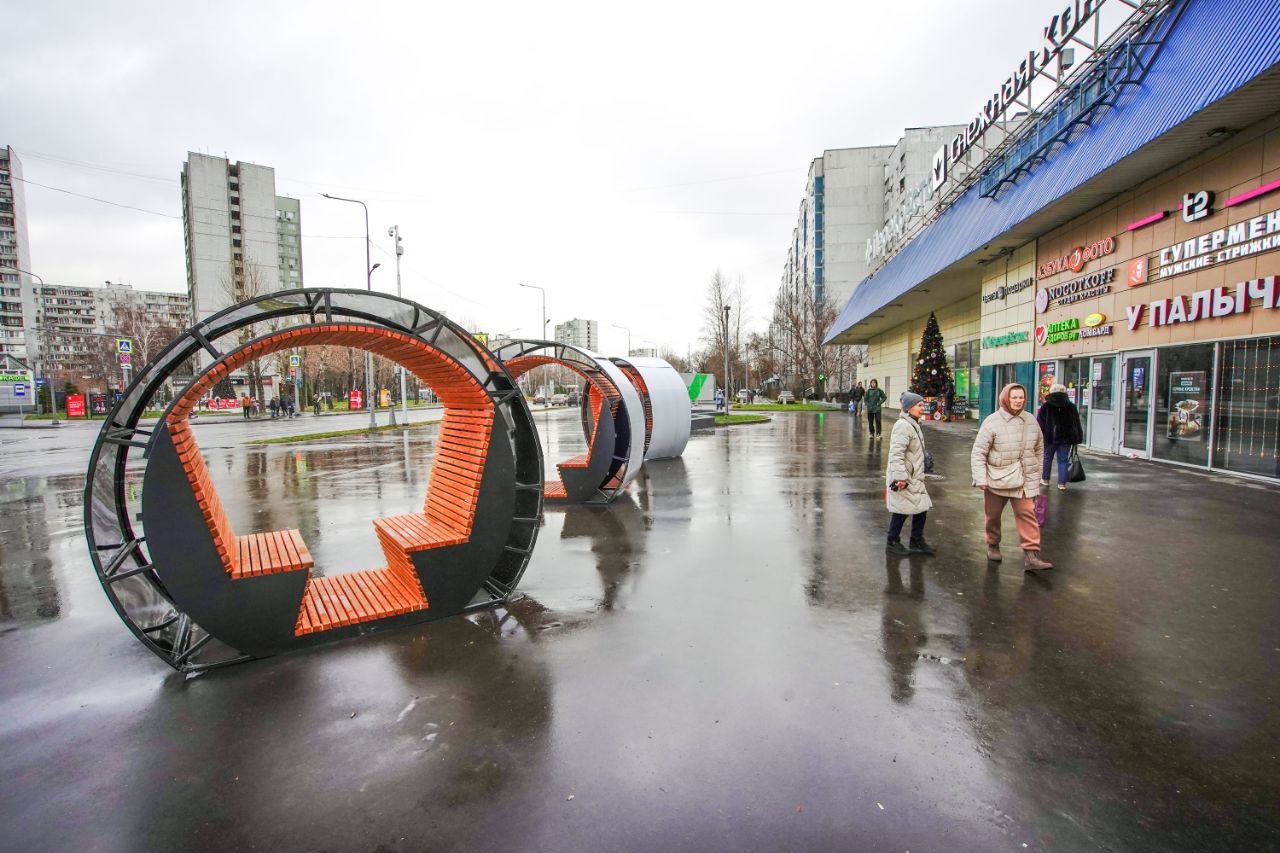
[1220, 67]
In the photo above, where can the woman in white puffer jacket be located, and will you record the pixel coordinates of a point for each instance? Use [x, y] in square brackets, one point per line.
[1006, 461]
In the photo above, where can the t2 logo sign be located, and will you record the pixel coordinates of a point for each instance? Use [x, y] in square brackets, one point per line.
[1197, 205]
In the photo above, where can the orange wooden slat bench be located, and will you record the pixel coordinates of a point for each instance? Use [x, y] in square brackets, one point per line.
[448, 512]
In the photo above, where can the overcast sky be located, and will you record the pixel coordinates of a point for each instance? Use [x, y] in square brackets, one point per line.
[615, 154]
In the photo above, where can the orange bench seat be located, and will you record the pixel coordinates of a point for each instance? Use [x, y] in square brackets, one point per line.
[270, 552]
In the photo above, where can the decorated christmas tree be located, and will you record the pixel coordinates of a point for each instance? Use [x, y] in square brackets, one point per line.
[931, 377]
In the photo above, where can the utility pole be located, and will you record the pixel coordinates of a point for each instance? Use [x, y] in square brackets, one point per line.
[726, 359]
[394, 233]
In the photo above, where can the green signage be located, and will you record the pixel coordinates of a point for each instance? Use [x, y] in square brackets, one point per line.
[1005, 339]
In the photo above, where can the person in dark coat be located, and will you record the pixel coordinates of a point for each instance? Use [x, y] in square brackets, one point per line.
[1059, 420]
[855, 397]
[874, 399]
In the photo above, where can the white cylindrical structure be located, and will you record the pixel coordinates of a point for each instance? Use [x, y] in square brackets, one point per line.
[633, 412]
[669, 406]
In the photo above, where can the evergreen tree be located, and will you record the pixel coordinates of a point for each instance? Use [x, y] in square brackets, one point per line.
[930, 376]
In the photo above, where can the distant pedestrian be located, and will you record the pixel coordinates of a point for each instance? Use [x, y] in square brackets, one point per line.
[1059, 421]
[315, 405]
[905, 493]
[246, 405]
[275, 407]
[720, 398]
[1005, 463]
[855, 397]
[874, 400]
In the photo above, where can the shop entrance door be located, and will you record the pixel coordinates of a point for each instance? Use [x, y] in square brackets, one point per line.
[1138, 384]
[1102, 404]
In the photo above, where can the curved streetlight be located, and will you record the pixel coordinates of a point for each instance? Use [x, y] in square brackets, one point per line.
[542, 330]
[368, 281]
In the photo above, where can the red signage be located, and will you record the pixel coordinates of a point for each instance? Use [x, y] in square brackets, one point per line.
[355, 400]
[75, 405]
[1137, 271]
[1078, 257]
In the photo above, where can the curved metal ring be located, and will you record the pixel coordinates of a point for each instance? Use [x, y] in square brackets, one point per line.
[613, 421]
[199, 595]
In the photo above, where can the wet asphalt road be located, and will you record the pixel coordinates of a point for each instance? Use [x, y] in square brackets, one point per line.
[724, 659]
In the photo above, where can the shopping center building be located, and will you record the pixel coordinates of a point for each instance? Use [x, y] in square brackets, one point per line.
[1124, 240]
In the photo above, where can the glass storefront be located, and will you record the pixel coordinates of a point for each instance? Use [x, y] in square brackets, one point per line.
[1184, 404]
[965, 359]
[1247, 431]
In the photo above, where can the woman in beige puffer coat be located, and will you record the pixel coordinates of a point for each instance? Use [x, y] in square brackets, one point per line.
[905, 494]
[1006, 462]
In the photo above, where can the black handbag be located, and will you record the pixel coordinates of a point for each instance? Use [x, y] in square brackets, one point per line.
[1075, 469]
[928, 462]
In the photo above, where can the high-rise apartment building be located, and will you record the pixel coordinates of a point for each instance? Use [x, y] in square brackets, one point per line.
[242, 240]
[15, 255]
[579, 333]
[77, 327]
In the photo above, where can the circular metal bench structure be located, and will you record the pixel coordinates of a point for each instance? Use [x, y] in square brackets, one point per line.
[199, 594]
[613, 421]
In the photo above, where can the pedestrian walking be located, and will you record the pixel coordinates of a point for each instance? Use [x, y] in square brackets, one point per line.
[720, 399]
[874, 400]
[1059, 421]
[905, 493]
[275, 407]
[315, 405]
[855, 396]
[1006, 464]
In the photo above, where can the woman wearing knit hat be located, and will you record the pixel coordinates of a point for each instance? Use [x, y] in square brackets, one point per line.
[905, 494]
[1006, 466]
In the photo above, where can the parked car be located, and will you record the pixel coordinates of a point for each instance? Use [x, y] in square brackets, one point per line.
[539, 399]
[744, 395]
[559, 399]
[786, 397]
[574, 398]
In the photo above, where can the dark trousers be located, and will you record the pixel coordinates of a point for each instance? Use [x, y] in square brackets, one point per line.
[873, 422]
[897, 519]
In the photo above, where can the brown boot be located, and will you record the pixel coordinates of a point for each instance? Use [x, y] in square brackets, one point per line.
[993, 553]
[1033, 562]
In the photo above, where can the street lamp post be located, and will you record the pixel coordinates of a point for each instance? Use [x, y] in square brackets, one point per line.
[394, 232]
[628, 331]
[726, 359]
[542, 330]
[368, 280]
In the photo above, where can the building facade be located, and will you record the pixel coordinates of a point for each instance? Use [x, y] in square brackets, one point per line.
[16, 300]
[579, 333]
[241, 238]
[1124, 242]
[77, 328]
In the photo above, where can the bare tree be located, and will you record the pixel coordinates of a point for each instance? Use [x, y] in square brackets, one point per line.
[724, 341]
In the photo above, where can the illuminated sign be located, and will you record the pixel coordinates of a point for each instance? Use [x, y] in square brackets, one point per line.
[1094, 326]
[1005, 339]
[1205, 304]
[1076, 290]
[1062, 27]
[1078, 257]
[1241, 240]
[1003, 291]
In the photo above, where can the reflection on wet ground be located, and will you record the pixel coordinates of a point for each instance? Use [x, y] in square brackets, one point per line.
[726, 656]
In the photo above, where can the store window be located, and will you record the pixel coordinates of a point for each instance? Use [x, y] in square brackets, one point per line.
[1184, 400]
[1247, 431]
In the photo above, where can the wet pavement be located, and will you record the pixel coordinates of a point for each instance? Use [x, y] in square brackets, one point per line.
[725, 658]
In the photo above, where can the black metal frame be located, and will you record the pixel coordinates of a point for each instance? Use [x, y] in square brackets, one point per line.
[610, 448]
[118, 548]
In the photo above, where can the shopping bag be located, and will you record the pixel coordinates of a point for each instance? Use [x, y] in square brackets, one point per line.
[1042, 510]
[1075, 469]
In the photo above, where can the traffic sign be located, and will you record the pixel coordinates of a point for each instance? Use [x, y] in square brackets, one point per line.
[295, 360]
[124, 345]
[20, 389]
[822, 377]
[125, 358]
